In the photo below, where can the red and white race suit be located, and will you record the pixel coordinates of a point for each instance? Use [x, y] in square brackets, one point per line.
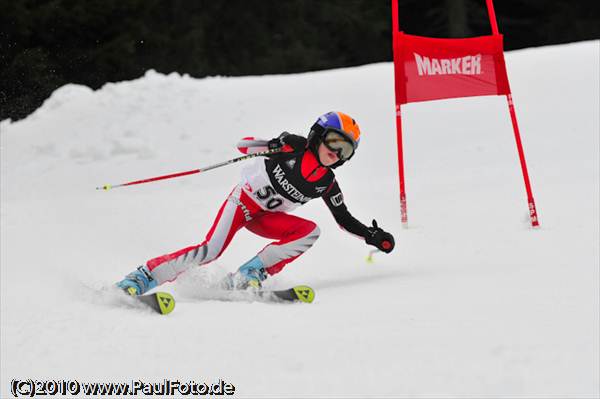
[270, 187]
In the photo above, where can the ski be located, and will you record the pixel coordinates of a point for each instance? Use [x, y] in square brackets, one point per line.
[163, 303]
[299, 293]
[160, 302]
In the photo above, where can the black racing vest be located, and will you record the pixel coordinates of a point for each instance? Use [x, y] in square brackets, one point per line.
[285, 174]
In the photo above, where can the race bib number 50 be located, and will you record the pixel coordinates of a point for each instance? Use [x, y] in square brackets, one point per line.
[268, 197]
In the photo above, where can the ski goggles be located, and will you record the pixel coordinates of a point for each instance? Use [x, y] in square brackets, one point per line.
[339, 143]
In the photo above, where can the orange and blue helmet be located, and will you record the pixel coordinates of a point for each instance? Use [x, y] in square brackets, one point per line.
[338, 124]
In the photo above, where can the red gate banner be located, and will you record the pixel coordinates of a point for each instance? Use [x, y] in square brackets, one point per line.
[434, 69]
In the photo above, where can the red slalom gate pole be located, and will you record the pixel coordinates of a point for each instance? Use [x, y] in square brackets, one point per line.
[189, 172]
[403, 209]
[397, 69]
[513, 117]
[492, 16]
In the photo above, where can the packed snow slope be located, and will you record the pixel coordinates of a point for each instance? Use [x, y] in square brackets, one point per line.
[472, 303]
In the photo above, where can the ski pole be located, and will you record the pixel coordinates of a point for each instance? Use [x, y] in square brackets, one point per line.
[370, 257]
[190, 172]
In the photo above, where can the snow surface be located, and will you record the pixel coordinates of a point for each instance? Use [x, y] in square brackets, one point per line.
[472, 303]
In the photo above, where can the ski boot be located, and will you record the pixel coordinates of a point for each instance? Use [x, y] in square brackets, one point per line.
[250, 275]
[138, 282]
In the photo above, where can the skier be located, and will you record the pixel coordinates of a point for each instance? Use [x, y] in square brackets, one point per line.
[269, 189]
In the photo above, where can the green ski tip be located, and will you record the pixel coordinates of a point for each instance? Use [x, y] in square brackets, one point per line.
[166, 302]
[304, 293]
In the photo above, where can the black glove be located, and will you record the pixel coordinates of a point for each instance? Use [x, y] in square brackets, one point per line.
[380, 238]
[298, 143]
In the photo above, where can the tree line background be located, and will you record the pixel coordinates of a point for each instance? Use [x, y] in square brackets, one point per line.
[45, 44]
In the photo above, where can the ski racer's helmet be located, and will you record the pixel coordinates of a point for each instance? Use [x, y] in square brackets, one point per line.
[339, 132]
